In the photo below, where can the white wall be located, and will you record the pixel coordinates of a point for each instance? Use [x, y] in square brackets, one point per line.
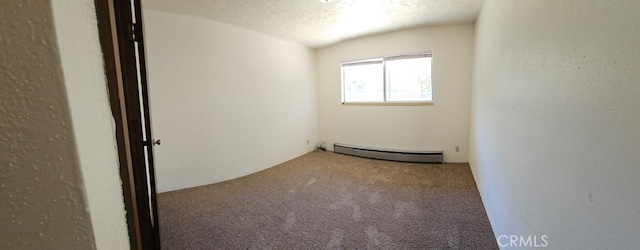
[555, 118]
[439, 127]
[93, 126]
[226, 102]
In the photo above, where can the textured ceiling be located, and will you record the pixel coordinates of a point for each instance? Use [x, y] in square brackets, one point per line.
[317, 24]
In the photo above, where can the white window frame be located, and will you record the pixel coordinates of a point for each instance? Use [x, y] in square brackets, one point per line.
[382, 60]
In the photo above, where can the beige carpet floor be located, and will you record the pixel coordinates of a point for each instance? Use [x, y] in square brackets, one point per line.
[324, 200]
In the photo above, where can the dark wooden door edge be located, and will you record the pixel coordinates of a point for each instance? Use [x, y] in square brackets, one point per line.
[114, 24]
[139, 33]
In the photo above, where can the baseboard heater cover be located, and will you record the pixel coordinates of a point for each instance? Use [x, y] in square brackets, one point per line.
[390, 155]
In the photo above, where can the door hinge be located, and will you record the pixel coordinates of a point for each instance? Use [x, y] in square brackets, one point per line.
[134, 32]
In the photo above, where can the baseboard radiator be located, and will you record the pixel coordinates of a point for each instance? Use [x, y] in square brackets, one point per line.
[390, 155]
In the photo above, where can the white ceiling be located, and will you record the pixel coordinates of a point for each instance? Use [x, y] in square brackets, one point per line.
[317, 24]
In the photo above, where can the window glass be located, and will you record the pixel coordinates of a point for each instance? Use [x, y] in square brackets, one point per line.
[404, 78]
[409, 79]
[363, 83]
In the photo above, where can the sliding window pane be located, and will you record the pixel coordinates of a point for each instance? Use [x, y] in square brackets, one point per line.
[363, 83]
[409, 79]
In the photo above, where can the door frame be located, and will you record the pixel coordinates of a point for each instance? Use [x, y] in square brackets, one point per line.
[120, 30]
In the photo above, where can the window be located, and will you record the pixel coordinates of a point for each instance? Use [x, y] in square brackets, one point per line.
[396, 79]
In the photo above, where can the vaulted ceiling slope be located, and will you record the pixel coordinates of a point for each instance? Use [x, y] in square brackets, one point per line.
[317, 24]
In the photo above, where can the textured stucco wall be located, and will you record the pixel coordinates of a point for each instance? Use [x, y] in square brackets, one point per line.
[42, 205]
[555, 120]
[93, 125]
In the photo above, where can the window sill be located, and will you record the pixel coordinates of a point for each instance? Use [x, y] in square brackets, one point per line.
[420, 103]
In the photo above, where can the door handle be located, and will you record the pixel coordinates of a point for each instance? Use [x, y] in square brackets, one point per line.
[157, 142]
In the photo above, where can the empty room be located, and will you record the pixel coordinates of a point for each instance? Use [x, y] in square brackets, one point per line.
[230, 104]
[320, 124]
